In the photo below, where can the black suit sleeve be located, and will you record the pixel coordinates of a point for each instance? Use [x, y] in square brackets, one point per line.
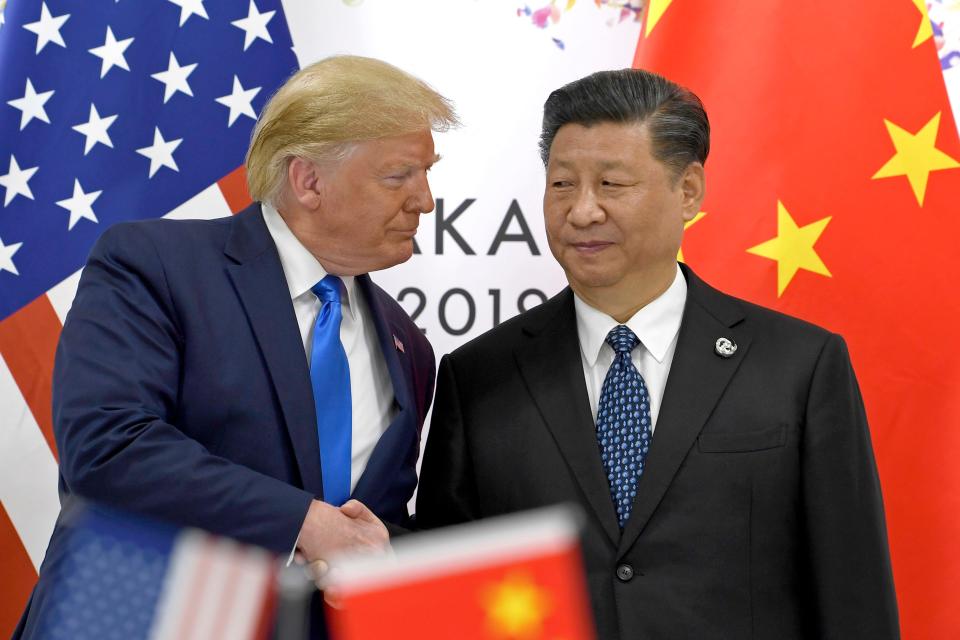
[447, 493]
[849, 561]
[115, 392]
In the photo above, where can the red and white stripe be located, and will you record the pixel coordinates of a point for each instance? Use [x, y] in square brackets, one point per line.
[215, 588]
[29, 503]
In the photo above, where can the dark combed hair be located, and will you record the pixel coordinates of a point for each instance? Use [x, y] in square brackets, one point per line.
[677, 121]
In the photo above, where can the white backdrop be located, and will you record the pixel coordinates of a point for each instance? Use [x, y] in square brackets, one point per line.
[498, 68]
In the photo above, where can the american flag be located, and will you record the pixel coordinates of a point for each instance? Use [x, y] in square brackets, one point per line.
[111, 110]
[127, 578]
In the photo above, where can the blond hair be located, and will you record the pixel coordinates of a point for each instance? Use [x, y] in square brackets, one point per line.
[325, 107]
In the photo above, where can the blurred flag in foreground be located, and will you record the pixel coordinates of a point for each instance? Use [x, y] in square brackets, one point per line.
[122, 577]
[513, 577]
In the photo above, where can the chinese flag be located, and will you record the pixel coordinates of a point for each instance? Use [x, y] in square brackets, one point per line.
[832, 194]
[515, 578]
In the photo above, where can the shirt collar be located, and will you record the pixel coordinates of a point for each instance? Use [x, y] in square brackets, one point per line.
[656, 324]
[300, 268]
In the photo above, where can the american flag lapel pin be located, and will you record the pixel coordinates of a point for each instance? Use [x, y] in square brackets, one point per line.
[398, 344]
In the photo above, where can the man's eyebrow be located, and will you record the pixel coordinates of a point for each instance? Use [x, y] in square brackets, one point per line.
[408, 166]
[604, 164]
[611, 164]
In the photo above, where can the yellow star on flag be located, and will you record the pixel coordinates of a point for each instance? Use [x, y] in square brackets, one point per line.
[654, 13]
[925, 32]
[687, 225]
[916, 156]
[793, 248]
[516, 607]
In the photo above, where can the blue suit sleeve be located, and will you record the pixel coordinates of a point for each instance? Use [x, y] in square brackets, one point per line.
[115, 397]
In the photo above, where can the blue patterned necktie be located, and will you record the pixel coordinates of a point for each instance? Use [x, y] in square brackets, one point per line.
[330, 378]
[623, 422]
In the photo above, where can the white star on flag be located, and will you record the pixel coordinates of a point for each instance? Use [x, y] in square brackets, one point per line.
[254, 25]
[80, 205]
[6, 257]
[190, 8]
[47, 28]
[16, 181]
[175, 78]
[239, 101]
[161, 152]
[95, 129]
[31, 105]
[111, 52]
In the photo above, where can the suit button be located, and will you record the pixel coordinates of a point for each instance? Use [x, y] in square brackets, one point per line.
[625, 573]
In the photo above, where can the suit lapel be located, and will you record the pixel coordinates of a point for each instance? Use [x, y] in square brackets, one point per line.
[258, 278]
[698, 377]
[551, 367]
[387, 456]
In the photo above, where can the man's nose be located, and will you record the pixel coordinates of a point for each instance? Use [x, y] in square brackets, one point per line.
[585, 209]
[421, 200]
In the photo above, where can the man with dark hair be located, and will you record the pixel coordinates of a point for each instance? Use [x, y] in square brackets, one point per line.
[720, 450]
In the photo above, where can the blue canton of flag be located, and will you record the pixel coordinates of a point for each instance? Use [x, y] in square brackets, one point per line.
[110, 576]
[118, 110]
[122, 577]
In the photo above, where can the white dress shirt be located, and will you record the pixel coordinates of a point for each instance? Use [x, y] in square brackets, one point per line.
[657, 325]
[371, 390]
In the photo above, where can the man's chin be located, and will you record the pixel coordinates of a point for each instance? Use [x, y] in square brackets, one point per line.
[398, 254]
[592, 278]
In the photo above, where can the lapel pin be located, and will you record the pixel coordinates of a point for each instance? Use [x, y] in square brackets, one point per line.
[725, 347]
[399, 345]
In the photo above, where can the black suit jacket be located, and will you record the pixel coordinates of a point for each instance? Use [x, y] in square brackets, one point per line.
[759, 513]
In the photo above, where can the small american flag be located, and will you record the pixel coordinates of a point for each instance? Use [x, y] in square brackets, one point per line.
[127, 578]
[110, 110]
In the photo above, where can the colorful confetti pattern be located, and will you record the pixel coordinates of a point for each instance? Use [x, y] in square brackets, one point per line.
[551, 13]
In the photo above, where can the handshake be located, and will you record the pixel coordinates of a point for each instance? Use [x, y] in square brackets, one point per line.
[330, 531]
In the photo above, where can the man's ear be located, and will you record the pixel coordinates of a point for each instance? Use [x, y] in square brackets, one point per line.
[693, 186]
[304, 182]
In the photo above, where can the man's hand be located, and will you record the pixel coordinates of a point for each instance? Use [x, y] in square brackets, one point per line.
[329, 531]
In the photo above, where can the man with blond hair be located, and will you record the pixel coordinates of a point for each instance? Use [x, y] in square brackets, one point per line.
[244, 375]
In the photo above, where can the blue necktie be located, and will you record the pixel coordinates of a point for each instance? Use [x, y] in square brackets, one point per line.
[330, 378]
[623, 422]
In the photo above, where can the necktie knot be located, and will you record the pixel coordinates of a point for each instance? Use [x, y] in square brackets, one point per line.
[329, 289]
[622, 339]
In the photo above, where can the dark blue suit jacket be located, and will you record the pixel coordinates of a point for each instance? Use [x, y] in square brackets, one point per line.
[182, 390]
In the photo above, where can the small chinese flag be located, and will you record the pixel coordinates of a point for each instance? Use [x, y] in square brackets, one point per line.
[833, 189]
[513, 578]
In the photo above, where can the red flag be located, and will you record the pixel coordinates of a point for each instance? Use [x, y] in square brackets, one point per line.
[514, 578]
[832, 192]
